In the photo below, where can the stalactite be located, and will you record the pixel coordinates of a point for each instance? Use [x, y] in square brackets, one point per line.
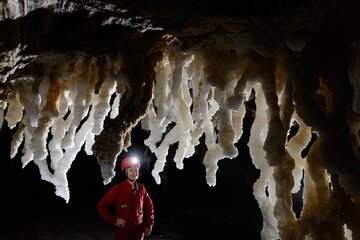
[71, 102]
[187, 85]
[133, 106]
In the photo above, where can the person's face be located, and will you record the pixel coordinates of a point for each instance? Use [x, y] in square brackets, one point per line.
[132, 173]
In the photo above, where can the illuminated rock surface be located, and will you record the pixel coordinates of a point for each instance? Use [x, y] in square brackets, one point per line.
[83, 74]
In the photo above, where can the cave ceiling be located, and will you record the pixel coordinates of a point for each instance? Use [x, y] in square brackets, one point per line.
[101, 27]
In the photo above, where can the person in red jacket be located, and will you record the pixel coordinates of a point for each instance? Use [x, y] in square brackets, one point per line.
[133, 206]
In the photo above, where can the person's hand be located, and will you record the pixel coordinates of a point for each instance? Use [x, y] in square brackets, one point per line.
[120, 223]
[147, 232]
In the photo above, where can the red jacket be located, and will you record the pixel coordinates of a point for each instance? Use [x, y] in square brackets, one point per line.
[136, 209]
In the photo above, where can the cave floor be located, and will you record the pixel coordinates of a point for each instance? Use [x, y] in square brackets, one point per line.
[83, 223]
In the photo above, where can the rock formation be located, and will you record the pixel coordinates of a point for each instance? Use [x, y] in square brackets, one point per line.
[79, 74]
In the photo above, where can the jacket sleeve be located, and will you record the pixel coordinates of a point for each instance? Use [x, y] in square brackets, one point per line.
[104, 206]
[149, 211]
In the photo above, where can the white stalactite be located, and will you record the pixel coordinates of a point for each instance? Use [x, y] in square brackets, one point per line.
[60, 178]
[15, 111]
[264, 187]
[16, 141]
[58, 131]
[81, 103]
[101, 105]
[28, 155]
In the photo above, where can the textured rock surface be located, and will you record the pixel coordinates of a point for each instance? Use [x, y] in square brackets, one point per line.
[301, 57]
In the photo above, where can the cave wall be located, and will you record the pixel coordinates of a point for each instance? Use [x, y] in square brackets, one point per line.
[85, 73]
